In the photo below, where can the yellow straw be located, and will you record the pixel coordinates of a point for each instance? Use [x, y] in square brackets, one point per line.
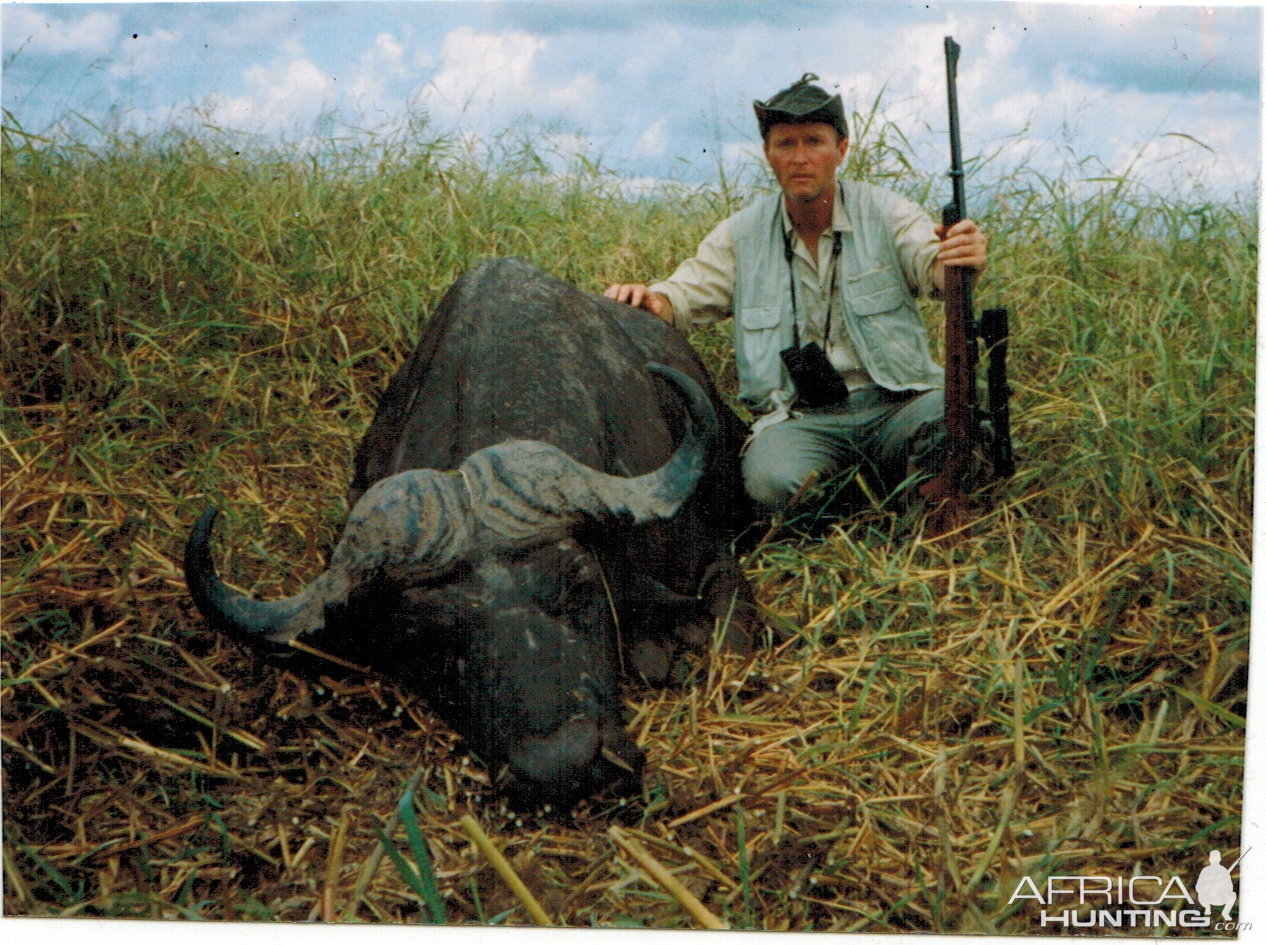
[658, 872]
[502, 866]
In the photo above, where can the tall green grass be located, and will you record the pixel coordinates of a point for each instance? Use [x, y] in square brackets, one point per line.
[185, 320]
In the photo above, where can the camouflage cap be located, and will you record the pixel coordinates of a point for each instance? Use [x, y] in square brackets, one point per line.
[800, 104]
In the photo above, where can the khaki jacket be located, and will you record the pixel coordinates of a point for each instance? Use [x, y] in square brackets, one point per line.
[878, 337]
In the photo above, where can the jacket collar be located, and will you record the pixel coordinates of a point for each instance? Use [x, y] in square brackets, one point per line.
[839, 219]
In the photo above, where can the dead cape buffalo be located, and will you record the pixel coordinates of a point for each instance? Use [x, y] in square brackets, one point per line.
[583, 532]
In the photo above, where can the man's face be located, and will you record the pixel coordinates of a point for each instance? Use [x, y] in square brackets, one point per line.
[804, 158]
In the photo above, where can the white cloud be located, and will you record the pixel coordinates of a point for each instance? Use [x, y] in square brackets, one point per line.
[488, 82]
[280, 97]
[1060, 105]
[387, 53]
[653, 142]
[582, 93]
[144, 53]
[484, 71]
[1200, 142]
[91, 33]
[382, 63]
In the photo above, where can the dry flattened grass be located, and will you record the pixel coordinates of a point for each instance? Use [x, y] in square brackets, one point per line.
[1062, 690]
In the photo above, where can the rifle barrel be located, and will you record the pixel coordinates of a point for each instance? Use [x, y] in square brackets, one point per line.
[952, 49]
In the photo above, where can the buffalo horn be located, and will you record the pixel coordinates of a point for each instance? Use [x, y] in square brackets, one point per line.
[416, 526]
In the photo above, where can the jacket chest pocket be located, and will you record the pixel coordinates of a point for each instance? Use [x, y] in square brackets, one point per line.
[877, 292]
[887, 321]
[758, 344]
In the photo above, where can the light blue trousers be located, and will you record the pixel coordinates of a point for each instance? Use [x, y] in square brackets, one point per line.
[886, 436]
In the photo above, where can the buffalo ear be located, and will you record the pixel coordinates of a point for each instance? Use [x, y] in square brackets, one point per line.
[728, 596]
[658, 620]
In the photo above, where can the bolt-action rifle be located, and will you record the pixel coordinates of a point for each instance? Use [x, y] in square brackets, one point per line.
[950, 489]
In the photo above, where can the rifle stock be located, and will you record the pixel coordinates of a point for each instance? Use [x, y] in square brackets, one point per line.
[952, 485]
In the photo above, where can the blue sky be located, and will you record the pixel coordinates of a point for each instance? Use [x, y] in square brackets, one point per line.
[664, 89]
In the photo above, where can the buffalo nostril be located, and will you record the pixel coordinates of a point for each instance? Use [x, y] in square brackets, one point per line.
[576, 759]
[554, 757]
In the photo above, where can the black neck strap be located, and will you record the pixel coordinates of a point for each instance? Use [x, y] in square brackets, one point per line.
[789, 253]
